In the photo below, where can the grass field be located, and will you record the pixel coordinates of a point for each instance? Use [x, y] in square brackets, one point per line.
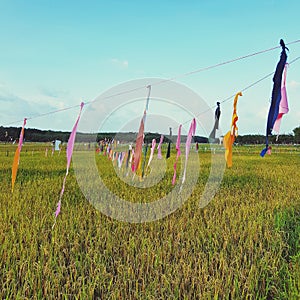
[244, 245]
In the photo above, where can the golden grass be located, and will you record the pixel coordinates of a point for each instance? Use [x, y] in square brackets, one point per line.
[244, 245]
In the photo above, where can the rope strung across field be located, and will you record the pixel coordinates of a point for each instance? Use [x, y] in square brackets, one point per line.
[168, 80]
[242, 90]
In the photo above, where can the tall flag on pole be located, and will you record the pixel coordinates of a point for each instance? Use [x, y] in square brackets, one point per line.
[139, 144]
[168, 154]
[178, 153]
[191, 133]
[128, 156]
[70, 147]
[283, 106]
[152, 152]
[276, 96]
[140, 136]
[159, 156]
[144, 160]
[212, 135]
[17, 157]
[131, 160]
[230, 136]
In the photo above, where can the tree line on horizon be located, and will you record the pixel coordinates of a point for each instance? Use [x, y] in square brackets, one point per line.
[11, 134]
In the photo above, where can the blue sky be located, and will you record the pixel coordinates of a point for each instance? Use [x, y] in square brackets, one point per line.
[55, 54]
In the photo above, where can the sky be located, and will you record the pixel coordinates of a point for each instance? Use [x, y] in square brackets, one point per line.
[55, 54]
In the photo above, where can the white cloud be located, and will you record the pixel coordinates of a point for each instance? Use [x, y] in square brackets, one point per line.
[293, 84]
[14, 107]
[119, 63]
[53, 92]
[262, 113]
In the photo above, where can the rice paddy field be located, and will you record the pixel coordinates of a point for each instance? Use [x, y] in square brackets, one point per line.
[245, 244]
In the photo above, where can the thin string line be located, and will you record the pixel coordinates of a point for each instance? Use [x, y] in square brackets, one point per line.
[242, 90]
[220, 64]
[256, 82]
[230, 97]
[160, 82]
[45, 114]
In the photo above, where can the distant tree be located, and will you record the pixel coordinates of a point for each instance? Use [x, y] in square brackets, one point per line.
[297, 135]
[150, 136]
